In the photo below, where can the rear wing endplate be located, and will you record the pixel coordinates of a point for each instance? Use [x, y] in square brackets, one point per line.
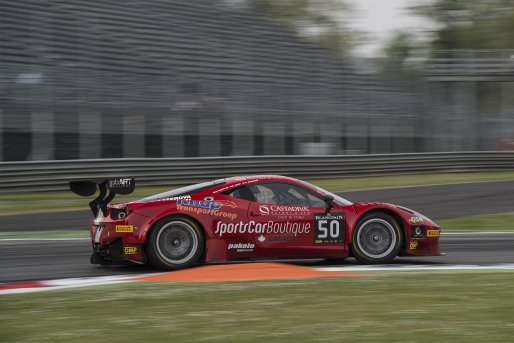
[114, 186]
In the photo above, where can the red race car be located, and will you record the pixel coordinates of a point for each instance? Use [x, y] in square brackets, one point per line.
[249, 217]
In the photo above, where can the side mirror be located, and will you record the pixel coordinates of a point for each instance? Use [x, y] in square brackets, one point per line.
[328, 199]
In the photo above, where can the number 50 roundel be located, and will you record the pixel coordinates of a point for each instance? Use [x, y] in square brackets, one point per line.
[328, 228]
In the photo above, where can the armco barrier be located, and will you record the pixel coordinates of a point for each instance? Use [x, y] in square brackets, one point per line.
[54, 175]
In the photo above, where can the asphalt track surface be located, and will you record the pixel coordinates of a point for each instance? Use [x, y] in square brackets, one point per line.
[27, 260]
[436, 202]
[23, 260]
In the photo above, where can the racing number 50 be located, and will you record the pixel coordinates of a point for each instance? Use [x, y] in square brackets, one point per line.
[328, 228]
[333, 228]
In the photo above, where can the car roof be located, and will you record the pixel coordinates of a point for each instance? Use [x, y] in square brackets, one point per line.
[237, 179]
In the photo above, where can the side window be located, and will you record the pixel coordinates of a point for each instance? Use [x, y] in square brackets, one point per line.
[284, 194]
[315, 201]
[264, 194]
[241, 193]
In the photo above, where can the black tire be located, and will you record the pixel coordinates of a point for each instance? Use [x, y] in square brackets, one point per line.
[334, 261]
[377, 239]
[174, 243]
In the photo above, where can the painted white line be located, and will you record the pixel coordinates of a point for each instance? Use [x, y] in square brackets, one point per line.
[40, 289]
[44, 239]
[76, 282]
[407, 267]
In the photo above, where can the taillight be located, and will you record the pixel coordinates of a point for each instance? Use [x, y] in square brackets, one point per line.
[118, 213]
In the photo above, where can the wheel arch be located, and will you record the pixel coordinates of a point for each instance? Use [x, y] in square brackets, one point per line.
[179, 215]
[389, 212]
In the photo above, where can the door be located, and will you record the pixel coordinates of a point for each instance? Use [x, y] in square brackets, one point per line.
[287, 220]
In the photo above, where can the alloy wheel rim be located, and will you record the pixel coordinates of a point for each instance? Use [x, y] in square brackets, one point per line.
[177, 242]
[376, 238]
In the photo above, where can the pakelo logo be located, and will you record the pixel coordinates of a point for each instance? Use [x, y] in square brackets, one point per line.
[283, 210]
[241, 247]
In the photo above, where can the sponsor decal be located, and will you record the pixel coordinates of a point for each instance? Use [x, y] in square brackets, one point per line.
[328, 228]
[269, 227]
[199, 210]
[227, 203]
[130, 250]
[124, 228]
[261, 238]
[282, 238]
[241, 247]
[416, 220]
[176, 198]
[432, 233]
[264, 210]
[413, 245]
[210, 205]
[417, 232]
[283, 210]
[113, 183]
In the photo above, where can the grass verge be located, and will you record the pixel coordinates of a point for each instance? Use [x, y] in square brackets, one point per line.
[486, 222]
[41, 201]
[402, 307]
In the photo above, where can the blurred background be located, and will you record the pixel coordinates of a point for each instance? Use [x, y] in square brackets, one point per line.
[179, 78]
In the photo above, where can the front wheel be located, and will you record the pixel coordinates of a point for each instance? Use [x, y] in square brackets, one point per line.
[377, 239]
[175, 243]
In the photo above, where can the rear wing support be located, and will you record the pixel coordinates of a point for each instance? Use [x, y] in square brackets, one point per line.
[114, 186]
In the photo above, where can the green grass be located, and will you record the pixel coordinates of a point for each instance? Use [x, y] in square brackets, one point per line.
[410, 180]
[402, 307]
[54, 201]
[487, 222]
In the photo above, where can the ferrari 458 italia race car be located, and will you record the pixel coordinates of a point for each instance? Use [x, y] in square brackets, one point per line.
[249, 217]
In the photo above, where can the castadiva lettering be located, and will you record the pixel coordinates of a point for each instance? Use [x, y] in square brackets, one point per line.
[283, 210]
[262, 228]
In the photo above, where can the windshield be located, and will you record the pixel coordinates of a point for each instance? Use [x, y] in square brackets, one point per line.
[337, 198]
[182, 191]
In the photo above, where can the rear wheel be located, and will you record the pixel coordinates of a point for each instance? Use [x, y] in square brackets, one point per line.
[175, 243]
[377, 239]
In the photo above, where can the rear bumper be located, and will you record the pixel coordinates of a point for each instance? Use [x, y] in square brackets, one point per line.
[118, 239]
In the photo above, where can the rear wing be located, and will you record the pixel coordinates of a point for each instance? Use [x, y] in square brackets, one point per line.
[114, 186]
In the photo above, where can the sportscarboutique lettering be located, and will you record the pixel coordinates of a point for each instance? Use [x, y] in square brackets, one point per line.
[269, 227]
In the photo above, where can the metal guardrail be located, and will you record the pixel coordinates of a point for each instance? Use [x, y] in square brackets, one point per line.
[54, 175]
